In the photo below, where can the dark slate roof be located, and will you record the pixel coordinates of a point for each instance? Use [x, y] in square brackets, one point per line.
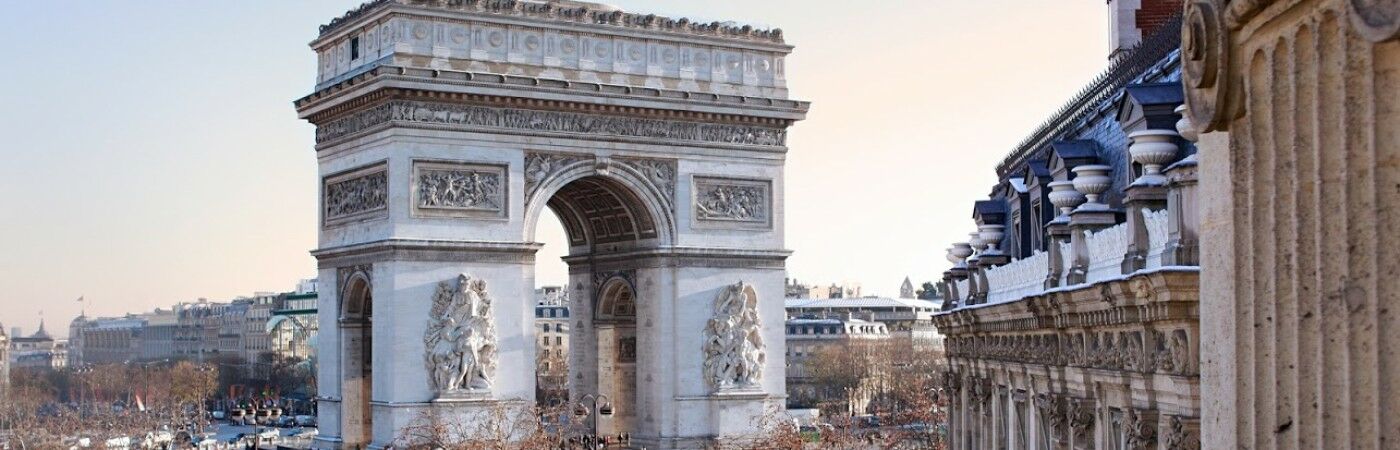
[988, 207]
[1076, 149]
[1039, 167]
[1153, 94]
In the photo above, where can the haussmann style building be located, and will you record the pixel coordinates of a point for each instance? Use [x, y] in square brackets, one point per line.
[1193, 253]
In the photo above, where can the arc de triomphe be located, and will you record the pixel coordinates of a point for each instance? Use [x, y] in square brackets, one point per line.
[445, 128]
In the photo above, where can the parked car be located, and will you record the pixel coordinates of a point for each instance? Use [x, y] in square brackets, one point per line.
[218, 415]
[262, 417]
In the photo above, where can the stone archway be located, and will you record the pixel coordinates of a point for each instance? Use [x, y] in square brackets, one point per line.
[357, 355]
[444, 129]
[614, 335]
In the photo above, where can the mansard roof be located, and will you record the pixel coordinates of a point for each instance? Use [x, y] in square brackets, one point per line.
[1039, 168]
[594, 14]
[989, 211]
[1100, 93]
[1077, 149]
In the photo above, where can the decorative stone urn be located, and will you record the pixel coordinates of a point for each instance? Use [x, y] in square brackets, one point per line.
[975, 240]
[1092, 180]
[991, 235]
[948, 253]
[1153, 149]
[960, 252]
[1187, 130]
[1184, 127]
[1063, 196]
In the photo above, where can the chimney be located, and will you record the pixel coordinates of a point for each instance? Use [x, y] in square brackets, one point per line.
[1131, 20]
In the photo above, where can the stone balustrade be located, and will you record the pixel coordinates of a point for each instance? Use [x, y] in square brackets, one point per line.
[1017, 279]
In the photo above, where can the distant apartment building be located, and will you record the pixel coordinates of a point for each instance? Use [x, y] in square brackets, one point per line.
[845, 289]
[551, 353]
[905, 318]
[39, 350]
[105, 340]
[806, 337]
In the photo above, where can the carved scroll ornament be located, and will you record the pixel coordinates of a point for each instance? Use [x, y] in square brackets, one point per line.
[1081, 418]
[461, 338]
[1376, 20]
[1205, 54]
[1141, 430]
[1178, 437]
[734, 348]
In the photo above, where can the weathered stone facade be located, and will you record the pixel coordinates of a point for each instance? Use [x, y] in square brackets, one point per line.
[1298, 106]
[1072, 316]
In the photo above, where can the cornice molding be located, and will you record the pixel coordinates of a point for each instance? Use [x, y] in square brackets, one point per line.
[597, 17]
[320, 106]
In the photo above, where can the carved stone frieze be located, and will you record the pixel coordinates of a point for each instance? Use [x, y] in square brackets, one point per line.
[660, 173]
[1140, 429]
[1052, 413]
[459, 189]
[540, 167]
[356, 195]
[601, 277]
[1081, 418]
[1169, 353]
[734, 348]
[460, 340]
[952, 382]
[1180, 436]
[451, 115]
[733, 201]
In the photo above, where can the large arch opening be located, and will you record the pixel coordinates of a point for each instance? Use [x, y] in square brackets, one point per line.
[599, 215]
[357, 358]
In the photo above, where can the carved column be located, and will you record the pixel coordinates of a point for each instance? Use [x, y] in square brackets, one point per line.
[1297, 104]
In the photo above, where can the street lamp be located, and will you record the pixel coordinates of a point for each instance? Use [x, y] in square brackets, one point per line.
[601, 405]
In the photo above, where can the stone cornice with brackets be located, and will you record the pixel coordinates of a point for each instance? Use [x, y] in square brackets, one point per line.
[586, 17]
[1143, 323]
[427, 250]
[346, 96]
[680, 256]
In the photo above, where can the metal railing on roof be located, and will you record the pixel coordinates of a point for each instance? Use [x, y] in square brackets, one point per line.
[1120, 72]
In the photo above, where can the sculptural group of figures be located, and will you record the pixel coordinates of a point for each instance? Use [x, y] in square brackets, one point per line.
[461, 337]
[734, 354]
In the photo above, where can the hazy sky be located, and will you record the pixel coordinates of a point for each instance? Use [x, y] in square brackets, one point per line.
[151, 153]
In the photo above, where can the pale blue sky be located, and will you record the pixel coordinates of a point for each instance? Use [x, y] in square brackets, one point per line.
[151, 153]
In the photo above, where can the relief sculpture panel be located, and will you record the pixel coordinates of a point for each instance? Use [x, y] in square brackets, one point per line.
[729, 202]
[359, 194]
[456, 189]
